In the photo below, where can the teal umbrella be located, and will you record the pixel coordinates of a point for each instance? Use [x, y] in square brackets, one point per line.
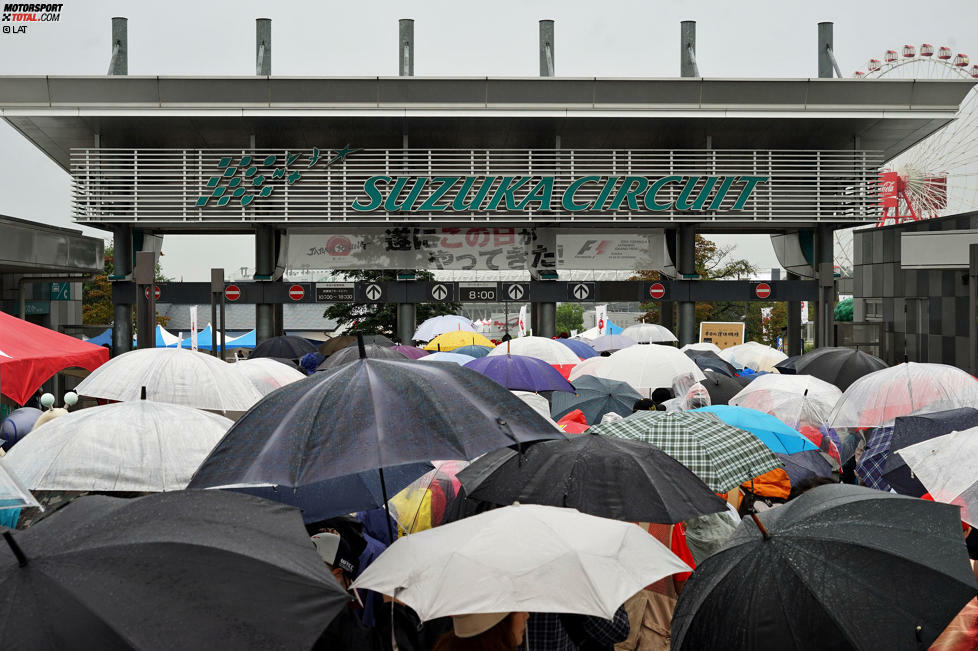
[595, 397]
[473, 351]
[771, 431]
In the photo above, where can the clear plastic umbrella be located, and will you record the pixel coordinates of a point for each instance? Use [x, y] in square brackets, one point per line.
[649, 367]
[13, 492]
[137, 446]
[266, 374]
[797, 400]
[875, 400]
[173, 375]
[754, 356]
[612, 343]
[649, 333]
[946, 467]
[422, 504]
[706, 345]
[437, 325]
[588, 366]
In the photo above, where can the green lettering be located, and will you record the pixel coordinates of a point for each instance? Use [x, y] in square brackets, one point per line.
[751, 182]
[408, 204]
[722, 192]
[683, 203]
[605, 191]
[459, 204]
[567, 201]
[446, 183]
[542, 193]
[650, 201]
[505, 190]
[630, 188]
[373, 193]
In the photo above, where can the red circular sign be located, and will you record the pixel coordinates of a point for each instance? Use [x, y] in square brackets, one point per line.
[600, 324]
[296, 292]
[232, 292]
[339, 245]
[657, 290]
[156, 292]
[762, 290]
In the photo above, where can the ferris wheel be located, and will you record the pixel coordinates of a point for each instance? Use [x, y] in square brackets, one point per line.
[939, 175]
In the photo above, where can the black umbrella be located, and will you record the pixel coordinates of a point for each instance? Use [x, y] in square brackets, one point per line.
[352, 354]
[179, 570]
[908, 430]
[838, 366]
[787, 366]
[286, 346]
[840, 567]
[368, 415]
[722, 387]
[598, 475]
[595, 397]
[707, 359]
[292, 363]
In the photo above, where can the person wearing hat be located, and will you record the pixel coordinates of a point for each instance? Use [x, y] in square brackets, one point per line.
[484, 632]
[346, 631]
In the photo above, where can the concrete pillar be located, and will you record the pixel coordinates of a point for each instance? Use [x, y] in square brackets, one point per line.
[824, 254]
[144, 276]
[687, 49]
[264, 268]
[263, 47]
[406, 322]
[122, 267]
[667, 309]
[548, 319]
[824, 46]
[405, 48]
[548, 66]
[119, 62]
[686, 251]
[793, 343]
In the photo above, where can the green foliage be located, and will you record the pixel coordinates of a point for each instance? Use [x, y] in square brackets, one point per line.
[570, 316]
[843, 310]
[381, 318]
[97, 308]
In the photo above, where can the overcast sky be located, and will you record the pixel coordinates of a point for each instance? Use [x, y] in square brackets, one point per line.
[751, 38]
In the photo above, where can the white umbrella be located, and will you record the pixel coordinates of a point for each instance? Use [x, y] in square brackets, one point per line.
[437, 325]
[753, 355]
[611, 343]
[266, 374]
[521, 558]
[587, 366]
[705, 345]
[552, 352]
[946, 466]
[538, 403]
[797, 400]
[127, 446]
[649, 367]
[649, 333]
[13, 493]
[174, 375]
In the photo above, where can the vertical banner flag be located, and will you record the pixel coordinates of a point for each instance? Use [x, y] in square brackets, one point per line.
[522, 322]
[601, 319]
[193, 327]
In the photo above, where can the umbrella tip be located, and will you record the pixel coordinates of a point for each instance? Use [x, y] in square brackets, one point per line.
[15, 548]
[760, 526]
[806, 393]
[360, 346]
[142, 393]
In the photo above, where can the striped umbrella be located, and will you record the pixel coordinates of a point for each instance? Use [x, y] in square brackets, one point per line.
[722, 456]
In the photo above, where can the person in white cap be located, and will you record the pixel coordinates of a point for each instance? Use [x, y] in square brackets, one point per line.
[484, 632]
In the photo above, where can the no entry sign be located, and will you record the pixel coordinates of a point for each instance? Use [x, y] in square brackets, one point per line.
[762, 290]
[156, 292]
[657, 290]
[232, 292]
[296, 292]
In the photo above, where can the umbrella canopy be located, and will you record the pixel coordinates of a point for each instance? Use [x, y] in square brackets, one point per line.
[822, 557]
[557, 355]
[721, 455]
[285, 346]
[649, 367]
[702, 346]
[599, 475]
[453, 358]
[581, 349]
[330, 346]
[438, 325]
[520, 373]
[411, 352]
[449, 341]
[13, 493]
[797, 400]
[946, 467]
[649, 333]
[753, 355]
[875, 400]
[838, 366]
[18, 425]
[771, 431]
[526, 557]
[352, 354]
[587, 366]
[538, 404]
[137, 446]
[174, 375]
[368, 415]
[30, 354]
[722, 387]
[908, 430]
[267, 374]
[595, 397]
[611, 343]
[787, 367]
[809, 464]
[473, 351]
[422, 504]
[709, 360]
[170, 571]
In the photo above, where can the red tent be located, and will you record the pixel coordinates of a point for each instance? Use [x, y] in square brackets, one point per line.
[30, 354]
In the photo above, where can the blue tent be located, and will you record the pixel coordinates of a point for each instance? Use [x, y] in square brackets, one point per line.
[203, 339]
[103, 339]
[614, 328]
[247, 340]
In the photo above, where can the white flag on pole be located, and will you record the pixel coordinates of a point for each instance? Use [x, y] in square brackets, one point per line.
[193, 327]
[601, 319]
[522, 322]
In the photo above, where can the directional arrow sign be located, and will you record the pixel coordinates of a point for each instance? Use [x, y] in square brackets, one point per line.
[581, 291]
[515, 292]
[439, 292]
[373, 291]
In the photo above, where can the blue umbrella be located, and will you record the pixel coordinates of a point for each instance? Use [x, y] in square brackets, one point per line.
[805, 465]
[521, 373]
[772, 432]
[473, 351]
[580, 348]
[454, 358]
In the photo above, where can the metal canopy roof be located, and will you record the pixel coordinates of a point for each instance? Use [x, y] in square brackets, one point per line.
[60, 113]
[31, 248]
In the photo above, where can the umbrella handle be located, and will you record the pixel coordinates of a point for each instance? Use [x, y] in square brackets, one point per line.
[760, 526]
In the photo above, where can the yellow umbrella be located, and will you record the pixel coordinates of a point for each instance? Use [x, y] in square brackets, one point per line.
[456, 339]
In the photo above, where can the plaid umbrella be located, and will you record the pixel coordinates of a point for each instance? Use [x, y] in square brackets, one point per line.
[870, 466]
[721, 455]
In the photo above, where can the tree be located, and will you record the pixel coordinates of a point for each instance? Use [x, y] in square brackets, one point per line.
[570, 316]
[97, 308]
[381, 318]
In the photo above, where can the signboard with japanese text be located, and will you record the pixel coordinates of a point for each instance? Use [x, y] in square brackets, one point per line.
[722, 334]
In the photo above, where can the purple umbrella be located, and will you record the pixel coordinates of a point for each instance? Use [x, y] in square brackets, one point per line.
[580, 348]
[411, 352]
[521, 373]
